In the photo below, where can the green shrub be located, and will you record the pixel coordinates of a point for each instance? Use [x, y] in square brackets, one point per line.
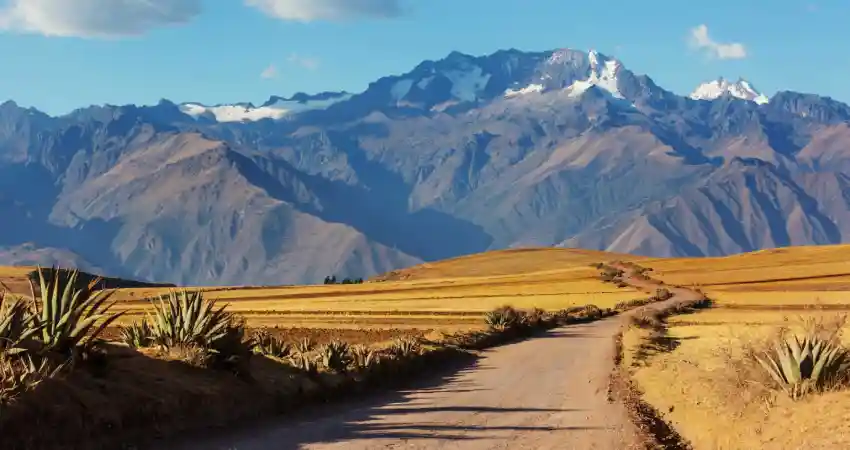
[70, 319]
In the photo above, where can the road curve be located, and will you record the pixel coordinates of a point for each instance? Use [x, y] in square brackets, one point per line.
[548, 392]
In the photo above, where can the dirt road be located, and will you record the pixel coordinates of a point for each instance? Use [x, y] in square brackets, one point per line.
[544, 393]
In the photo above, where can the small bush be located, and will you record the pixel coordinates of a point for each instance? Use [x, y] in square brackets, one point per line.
[630, 304]
[662, 294]
[502, 318]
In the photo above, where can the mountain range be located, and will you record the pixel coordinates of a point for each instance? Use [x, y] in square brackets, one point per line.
[460, 155]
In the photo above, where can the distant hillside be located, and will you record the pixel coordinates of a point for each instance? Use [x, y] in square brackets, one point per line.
[458, 156]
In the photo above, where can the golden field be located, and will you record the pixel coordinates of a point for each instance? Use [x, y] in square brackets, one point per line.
[697, 383]
[448, 295]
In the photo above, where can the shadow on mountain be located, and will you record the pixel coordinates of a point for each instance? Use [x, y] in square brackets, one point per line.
[379, 209]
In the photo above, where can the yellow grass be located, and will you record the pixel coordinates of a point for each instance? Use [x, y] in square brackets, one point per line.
[447, 294]
[755, 294]
[512, 262]
[817, 264]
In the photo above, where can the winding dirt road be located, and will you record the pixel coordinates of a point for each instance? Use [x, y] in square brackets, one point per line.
[548, 392]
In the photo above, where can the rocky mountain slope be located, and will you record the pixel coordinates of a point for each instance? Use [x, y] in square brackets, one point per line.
[459, 155]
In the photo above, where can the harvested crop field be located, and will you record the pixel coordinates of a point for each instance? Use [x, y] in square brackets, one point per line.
[700, 376]
[450, 295]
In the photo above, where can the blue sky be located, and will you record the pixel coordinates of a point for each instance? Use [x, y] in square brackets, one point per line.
[62, 54]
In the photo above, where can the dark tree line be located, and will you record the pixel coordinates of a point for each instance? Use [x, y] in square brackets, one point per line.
[332, 280]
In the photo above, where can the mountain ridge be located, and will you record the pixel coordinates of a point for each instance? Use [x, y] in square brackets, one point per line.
[455, 156]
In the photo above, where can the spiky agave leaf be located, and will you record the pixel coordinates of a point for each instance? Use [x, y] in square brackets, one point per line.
[137, 334]
[18, 375]
[405, 347]
[798, 367]
[336, 356]
[17, 324]
[264, 343]
[502, 318]
[305, 345]
[184, 318]
[69, 318]
[363, 356]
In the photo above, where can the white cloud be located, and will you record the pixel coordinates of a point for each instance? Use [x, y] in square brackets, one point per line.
[269, 72]
[700, 39]
[306, 62]
[308, 10]
[94, 18]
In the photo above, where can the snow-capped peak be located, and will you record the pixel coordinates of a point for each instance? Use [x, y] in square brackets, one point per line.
[740, 89]
[574, 71]
[602, 75]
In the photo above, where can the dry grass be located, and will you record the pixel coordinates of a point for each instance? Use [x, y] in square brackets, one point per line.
[703, 383]
[132, 395]
[451, 294]
[812, 266]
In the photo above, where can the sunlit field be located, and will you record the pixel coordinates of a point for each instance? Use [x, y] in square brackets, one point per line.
[694, 381]
[452, 294]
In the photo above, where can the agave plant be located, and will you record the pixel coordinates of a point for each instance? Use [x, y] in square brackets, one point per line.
[17, 325]
[801, 367]
[363, 357]
[305, 345]
[69, 318]
[137, 334]
[336, 356]
[22, 374]
[405, 347]
[501, 319]
[264, 343]
[184, 318]
[303, 358]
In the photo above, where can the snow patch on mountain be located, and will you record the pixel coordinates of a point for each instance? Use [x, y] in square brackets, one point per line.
[603, 76]
[531, 88]
[276, 108]
[740, 89]
[233, 113]
[467, 84]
